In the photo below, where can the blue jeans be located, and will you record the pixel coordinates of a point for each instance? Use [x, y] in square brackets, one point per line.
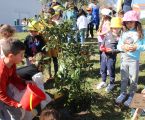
[126, 8]
[108, 63]
[82, 33]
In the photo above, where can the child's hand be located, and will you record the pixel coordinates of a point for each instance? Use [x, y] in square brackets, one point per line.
[30, 82]
[143, 91]
[108, 50]
[132, 47]
[102, 48]
[19, 105]
[125, 47]
[32, 60]
[98, 33]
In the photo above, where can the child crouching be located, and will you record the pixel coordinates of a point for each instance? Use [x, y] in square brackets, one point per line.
[10, 108]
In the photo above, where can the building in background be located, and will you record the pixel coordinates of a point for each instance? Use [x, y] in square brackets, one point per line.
[12, 11]
[140, 8]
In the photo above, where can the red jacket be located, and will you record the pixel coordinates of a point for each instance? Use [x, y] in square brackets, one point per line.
[7, 76]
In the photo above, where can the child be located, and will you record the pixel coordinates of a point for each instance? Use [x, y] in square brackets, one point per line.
[124, 5]
[82, 24]
[104, 27]
[33, 42]
[95, 13]
[131, 37]
[90, 23]
[120, 14]
[6, 33]
[57, 17]
[49, 114]
[71, 15]
[109, 52]
[11, 86]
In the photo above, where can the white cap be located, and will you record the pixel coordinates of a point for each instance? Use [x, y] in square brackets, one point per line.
[107, 12]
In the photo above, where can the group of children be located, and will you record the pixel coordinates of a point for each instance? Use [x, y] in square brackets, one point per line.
[12, 83]
[124, 35]
[121, 35]
[116, 35]
[83, 21]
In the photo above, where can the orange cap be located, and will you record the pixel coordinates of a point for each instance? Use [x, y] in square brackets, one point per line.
[89, 9]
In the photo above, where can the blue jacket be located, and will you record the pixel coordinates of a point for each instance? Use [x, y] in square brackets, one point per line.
[127, 5]
[71, 15]
[95, 13]
[110, 41]
[90, 18]
[131, 37]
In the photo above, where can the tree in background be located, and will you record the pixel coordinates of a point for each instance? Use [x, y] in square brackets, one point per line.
[102, 3]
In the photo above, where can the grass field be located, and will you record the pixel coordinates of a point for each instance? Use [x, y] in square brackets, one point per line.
[21, 35]
[104, 108]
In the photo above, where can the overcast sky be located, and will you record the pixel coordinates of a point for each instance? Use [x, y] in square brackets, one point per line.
[139, 1]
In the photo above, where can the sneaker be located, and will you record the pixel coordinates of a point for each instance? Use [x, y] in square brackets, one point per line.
[109, 88]
[108, 72]
[101, 85]
[128, 101]
[120, 98]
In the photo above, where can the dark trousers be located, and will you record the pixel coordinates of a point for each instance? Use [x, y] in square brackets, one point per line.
[27, 72]
[100, 52]
[90, 30]
[55, 63]
[108, 63]
[97, 26]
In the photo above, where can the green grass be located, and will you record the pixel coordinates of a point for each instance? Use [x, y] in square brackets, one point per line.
[21, 35]
[104, 107]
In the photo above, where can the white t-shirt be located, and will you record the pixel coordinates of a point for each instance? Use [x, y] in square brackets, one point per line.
[1, 50]
[92, 5]
[82, 22]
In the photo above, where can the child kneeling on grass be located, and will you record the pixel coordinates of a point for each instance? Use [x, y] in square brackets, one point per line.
[12, 87]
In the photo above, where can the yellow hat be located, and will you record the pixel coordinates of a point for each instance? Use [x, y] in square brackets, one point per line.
[54, 1]
[34, 25]
[116, 22]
